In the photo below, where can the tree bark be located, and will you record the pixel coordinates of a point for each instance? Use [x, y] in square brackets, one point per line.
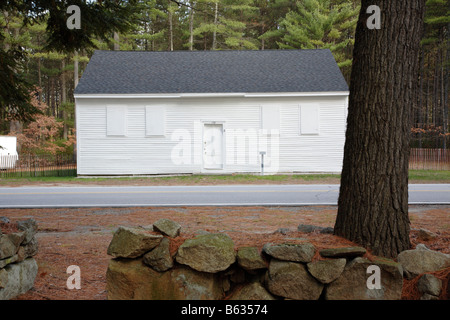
[170, 29]
[116, 41]
[191, 27]
[214, 42]
[373, 199]
[75, 69]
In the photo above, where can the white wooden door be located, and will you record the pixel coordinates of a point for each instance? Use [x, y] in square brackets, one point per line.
[213, 146]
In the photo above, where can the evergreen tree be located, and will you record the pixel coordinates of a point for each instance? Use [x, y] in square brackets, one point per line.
[225, 24]
[98, 19]
[317, 24]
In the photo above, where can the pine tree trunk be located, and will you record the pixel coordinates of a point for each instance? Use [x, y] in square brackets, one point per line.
[191, 28]
[373, 199]
[39, 79]
[116, 41]
[214, 43]
[75, 69]
[170, 30]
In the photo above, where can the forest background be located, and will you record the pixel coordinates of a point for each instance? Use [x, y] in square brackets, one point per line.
[168, 25]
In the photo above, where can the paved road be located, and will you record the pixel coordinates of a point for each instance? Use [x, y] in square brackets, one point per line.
[232, 195]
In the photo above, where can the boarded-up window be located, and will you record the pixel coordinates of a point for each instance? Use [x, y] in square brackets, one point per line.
[116, 120]
[270, 117]
[155, 121]
[309, 119]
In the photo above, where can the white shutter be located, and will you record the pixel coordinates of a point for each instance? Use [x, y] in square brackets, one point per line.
[116, 120]
[155, 120]
[309, 119]
[270, 117]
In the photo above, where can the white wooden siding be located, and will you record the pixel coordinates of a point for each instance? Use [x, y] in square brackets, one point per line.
[179, 150]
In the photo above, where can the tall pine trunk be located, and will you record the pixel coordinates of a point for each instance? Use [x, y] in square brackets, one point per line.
[214, 43]
[170, 28]
[373, 199]
[116, 41]
[191, 27]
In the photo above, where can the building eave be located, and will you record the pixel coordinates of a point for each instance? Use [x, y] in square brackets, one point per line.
[211, 95]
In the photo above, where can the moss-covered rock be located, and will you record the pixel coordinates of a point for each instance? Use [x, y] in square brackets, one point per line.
[345, 252]
[131, 279]
[167, 227]
[326, 271]
[250, 258]
[252, 291]
[159, 258]
[292, 280]
[132, 242]
[212, 252]
[352, 284]
[303, 252]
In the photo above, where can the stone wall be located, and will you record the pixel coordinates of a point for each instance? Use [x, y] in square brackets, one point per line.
[18, 268]
[209, 267]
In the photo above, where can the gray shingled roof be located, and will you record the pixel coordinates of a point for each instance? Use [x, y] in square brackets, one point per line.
[143, 72]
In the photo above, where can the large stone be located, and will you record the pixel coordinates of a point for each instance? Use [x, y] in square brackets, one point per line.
[327, 271]
[429, 284]
[159, 258]
[303, 252]
[352, 284]
[4, 220]
[130, 279]
[252, 291]
[16, 238]
[292, 280]
[167, 227]
[426, 235]
[9, 260]
[31, 248]
[307, 228]
[427, 296]
[250, 258]
[3, 278]
[30, 228]
[132, 242]
[17, 278]
[7, 247]
[345, 252]
[418, 261]
[212, 252]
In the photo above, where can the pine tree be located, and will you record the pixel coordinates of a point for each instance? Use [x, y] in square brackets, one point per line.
[317, 24]
[98, 20]
[225, 24]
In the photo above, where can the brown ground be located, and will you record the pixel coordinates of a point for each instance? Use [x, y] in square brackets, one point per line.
[81, 236]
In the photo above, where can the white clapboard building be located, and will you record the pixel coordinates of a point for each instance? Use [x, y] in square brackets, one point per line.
[217, 112]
